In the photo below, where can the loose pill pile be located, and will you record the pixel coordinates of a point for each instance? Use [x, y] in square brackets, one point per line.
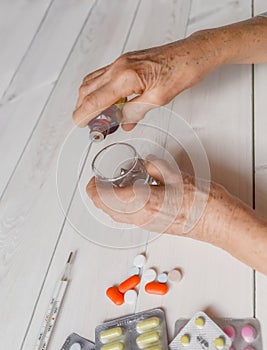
[201, 333]
[145, 330]
[76, 342]
[156, 284]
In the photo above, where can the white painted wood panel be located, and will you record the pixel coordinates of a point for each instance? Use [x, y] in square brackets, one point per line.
[19, 22]
[36, 77]
[219, 110]
[30, 214]
[260, 131]
[110, 265]
[31, 218]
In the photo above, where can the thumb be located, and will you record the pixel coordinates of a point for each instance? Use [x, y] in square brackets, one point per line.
[135, 110]
[162, 171]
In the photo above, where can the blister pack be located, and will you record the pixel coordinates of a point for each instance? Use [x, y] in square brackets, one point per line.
[245, 333]
[144, 330]
[200, 333]
[76, 342]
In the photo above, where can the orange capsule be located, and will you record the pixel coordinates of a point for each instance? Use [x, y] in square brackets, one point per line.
[156, 288]
[115, 295]
[128, 284]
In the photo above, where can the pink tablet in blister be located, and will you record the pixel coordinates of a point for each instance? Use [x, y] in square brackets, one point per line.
[245, 334]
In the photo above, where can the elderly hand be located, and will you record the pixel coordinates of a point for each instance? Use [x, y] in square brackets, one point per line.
[165, 208]
[224, 221]
[157, 75]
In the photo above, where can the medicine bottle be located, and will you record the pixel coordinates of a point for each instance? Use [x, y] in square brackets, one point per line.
[106, 122]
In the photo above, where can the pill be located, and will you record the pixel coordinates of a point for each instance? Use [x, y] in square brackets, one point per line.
[140, 260]
[110, 334]
[130, 296]
[175, 275]
[113, 346]
[162, 277]
[156, 288]
[219, 343]
[115, 295]
[134, 270]
[248, 333]
[149, 275]
[128, 284]
[146, 339]
[230, 331]
[157, 347]
[76, 346]
[185, 339]
[200, 322]
[147, 325]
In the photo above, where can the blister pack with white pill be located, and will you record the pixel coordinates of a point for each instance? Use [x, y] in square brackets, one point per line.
[76, 342]
[245, 333]
[145, 330]
[200, 333]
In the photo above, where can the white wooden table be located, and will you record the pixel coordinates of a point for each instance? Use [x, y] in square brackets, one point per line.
[47, 47]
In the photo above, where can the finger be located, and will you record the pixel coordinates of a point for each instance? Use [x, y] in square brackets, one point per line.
[90, 86]
[127, 204]
[135, 110]
[95, 74]
[95, 103]
[161, 170]
[94, 187]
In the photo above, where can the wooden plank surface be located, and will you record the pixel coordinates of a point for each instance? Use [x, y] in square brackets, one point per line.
[111, 264]
[30, 214]
[19, 22]
[34, 80]
[260, 130]
[35, 239]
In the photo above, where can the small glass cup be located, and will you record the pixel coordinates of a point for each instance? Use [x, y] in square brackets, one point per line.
[120, 164]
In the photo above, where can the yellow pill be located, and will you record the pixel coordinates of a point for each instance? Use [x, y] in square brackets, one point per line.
[219, 343]
[200, 322]
[157, 347]
[113, 346]
[185, 339]
[110, 334]
[148, 324]
[147, 339]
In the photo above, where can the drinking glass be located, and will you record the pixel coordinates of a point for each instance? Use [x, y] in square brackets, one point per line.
[120, 164]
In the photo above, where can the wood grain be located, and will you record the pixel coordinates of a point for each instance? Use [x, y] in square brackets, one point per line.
[55, 50]
[19, 22]
[31, 218]
[31, 85]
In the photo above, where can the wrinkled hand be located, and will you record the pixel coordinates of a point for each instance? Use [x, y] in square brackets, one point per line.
[156, 75]
[163, 208]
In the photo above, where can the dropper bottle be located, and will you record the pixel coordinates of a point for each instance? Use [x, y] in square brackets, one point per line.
[106, 122]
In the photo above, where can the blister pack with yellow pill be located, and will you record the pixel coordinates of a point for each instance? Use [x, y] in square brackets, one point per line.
[200, 333]
[145, 330]
[245, 333]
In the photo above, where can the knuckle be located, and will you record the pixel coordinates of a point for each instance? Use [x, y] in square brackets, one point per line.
[123, 59]
[90, 101]
[83, 90]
